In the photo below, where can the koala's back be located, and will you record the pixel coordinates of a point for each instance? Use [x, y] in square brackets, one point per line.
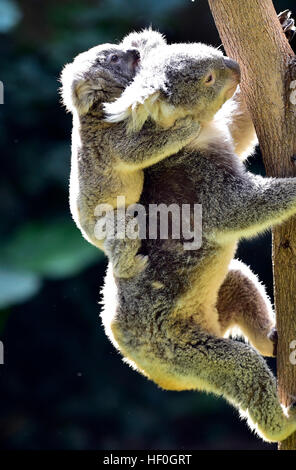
[179, 287]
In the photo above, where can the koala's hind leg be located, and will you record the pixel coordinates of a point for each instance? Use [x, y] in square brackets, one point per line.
[236, 371]
[243, 302]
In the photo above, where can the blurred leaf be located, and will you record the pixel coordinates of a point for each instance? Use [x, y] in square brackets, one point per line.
[10, 15]
[54, 249]
[17, 286]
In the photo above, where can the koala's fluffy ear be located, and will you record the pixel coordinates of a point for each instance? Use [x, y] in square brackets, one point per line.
[133, 107]
[78, 92]
[144, 41]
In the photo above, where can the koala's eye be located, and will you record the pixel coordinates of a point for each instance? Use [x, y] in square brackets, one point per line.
[114, 58]
[210, 79]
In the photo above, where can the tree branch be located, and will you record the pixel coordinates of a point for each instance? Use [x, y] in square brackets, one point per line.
[251, 34]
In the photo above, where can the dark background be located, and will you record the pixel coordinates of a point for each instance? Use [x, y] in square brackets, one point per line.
[63, 386]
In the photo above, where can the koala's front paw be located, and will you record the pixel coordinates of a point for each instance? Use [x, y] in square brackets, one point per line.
[288, 24]
[183, 122]
[291, 409]
[273, 336]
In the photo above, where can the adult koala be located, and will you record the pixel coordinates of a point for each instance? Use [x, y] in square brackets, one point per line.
[170, 320]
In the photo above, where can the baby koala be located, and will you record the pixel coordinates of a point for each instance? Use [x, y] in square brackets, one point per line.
[106, 161]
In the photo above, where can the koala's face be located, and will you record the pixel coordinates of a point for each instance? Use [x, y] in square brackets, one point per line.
[117, 64]
[99, 74]
[197, 78]
[175, 81]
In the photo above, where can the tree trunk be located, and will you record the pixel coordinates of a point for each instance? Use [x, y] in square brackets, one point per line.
[251, 34]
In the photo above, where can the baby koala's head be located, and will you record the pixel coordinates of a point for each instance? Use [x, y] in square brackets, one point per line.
[98, 75]
[175, 81]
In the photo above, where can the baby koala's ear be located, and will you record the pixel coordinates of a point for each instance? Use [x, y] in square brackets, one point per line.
[78, 93]
[144, 41]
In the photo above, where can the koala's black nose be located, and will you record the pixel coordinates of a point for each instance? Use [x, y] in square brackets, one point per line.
[233, 66]
[134, 54]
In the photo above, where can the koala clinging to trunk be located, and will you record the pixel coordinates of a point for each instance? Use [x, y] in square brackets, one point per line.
[170, 321]
[105, 162]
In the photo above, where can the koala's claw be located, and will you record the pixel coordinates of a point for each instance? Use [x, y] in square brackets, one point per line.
[288, 24]
[141, 262]
[284, 16]
[293, 404]
[273, 336]
[292, 407]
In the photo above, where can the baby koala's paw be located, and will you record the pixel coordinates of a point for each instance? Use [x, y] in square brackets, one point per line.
[132, 267]
[121, 246]
[187, 126]
[139, 265]
[288, 24]
[183, 122]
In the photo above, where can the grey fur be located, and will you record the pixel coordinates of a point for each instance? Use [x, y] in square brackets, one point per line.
[169, 321]
[107, 161]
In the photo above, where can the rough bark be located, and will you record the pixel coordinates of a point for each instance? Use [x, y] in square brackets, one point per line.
[252, 35]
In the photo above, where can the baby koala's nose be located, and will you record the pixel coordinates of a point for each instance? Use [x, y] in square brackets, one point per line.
[134, 54]
[233, 66]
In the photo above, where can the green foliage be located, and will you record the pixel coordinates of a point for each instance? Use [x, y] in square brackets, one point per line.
[17, 286]
[10, 15]
[53, 249]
